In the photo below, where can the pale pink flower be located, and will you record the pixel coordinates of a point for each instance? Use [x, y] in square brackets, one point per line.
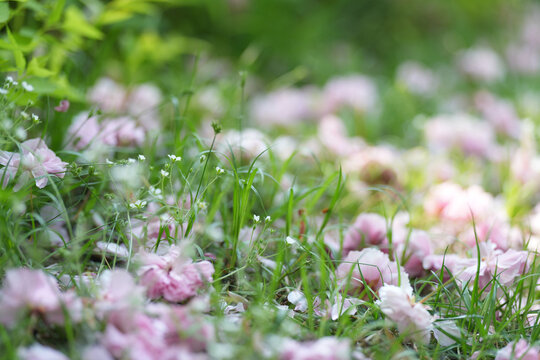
[411, 249]
[333, 135]
[284, 107]
[248, 143]
[122, 131]
[333, 309]
[446, 331]
[498, 232]
[436, 262]
[450, 202]
[155, 335]
[411, 318]
[368, 229]
[481, 64]
[439, 196]
[63, 106]
[530, 31]
[354, 91]
[134, 335]
[284, 147]
[40, 352]
[418, 79]
[500, 113]
[369, 267]
[326, 348]
[156, 225]
[525, 162]
[96, 352]
[117, 290]
[506, 266]
[37, 161]
[108, 95]
[374, 164]
[523, 59]
[144, 97]
[520, 350]
[462, 132]
[27, 290]
[142, 103]
[84, 130]
[173, 277]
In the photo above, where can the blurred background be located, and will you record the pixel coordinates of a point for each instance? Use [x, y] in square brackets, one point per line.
[246, 47]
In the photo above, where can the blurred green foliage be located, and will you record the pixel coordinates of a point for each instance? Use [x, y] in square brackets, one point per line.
[314, 39]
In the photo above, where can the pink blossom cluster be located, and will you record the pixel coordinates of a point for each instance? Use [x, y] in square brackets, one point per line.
[368, 270]
[33, 292]
[35, 160]
[461, 132]
[128, 116]
[172, 276]
[326, 348]
[133, 328]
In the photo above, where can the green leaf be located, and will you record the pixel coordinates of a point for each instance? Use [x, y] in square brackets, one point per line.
[34, 68]
[20, 61]
[76, 23]
[56, 12]
[113, 16]
[4, 12]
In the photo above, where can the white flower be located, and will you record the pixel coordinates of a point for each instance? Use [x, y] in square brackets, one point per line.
[3, 91]
[9, 79]
[35, 118]
[20, 133]
[202, 158]
[268, 219]
[291, 240]
[138, 204]
[219, 170]
[131, 161]
[154, 192]
[412, 318]
[174, 157]
[142, 157]
[26, 86]
[202, 205]
[24, 114]
[109, 162]
[256, 218]
[164, 173]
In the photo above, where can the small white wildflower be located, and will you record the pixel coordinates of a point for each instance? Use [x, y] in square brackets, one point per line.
[3, 91]
[109, 162]
[268, 219]
[202, 158]
[24, 114]
[20, 133]
[174, 157]
[131, 161]
[142, 157]
[256, 218]
[154, 192]
[219, 170]
[139, 204]
[9, 79]
[8, 123]
[202, 205]
[35, 118]
[26, 86]
[291, 240]
[164, 173]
